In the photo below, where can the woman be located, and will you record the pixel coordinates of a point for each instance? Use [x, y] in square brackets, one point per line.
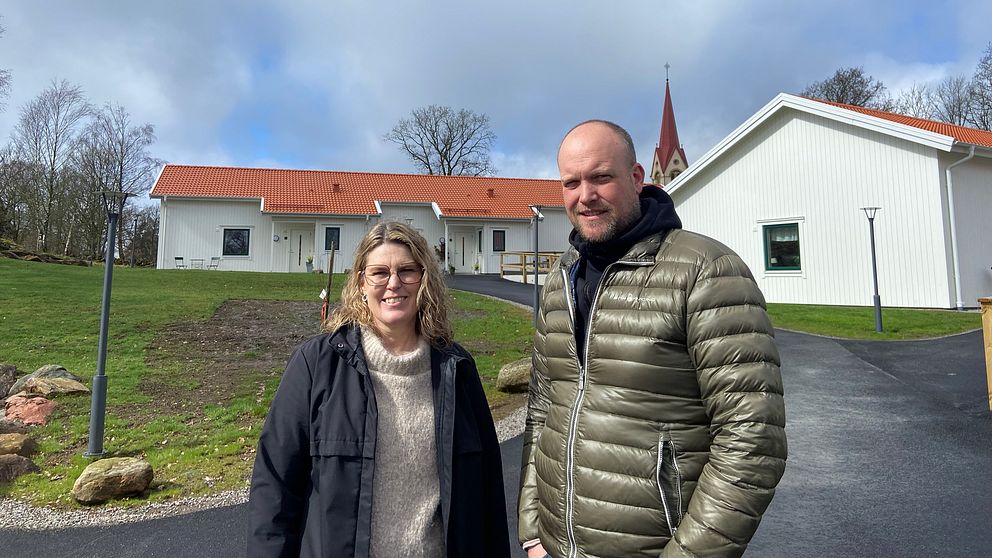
[379, 441]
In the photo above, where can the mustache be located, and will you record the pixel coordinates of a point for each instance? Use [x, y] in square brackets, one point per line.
[584, 208]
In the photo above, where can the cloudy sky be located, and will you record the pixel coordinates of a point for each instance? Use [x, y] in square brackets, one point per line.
[316, 84]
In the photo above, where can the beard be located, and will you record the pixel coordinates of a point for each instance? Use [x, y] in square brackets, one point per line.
[613, 223]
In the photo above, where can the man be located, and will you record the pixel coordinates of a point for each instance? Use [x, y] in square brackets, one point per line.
[655, 422]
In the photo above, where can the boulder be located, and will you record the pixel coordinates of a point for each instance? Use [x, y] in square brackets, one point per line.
[28, 409]
[11, 427]
[110, 478]
[47, 371]
[16, 444]
[13, 466]
[8, 375]
[515, 376]
[52, 386]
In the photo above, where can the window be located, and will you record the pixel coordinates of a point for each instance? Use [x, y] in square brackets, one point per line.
[782, 247]
[499, 241]
[332, 237]
[236, 242]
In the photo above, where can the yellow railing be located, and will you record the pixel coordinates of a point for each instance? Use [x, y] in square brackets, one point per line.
[523, 263]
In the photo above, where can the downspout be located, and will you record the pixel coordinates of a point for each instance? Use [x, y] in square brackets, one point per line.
[954, 234]
[446, 243]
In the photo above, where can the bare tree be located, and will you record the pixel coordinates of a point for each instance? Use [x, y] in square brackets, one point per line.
[45, 135]
[440, 140]
[952, 99]
[113, 156]
[916, 101]
[16, 177]
[981, 91]
[142, 235]
[851, 86]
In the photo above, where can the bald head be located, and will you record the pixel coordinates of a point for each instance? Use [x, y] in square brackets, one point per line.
[625, 142]
[600, 179]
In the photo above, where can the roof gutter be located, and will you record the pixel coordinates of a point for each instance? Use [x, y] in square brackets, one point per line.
[954, 235]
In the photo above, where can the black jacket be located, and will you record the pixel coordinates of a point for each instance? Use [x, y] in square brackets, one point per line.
[311, 489]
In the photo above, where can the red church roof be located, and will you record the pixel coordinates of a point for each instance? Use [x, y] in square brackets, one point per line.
[354, 193]
[959, 133]
[668, 143]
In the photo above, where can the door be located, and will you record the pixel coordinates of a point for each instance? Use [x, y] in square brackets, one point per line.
[299, 246]
[465, 251]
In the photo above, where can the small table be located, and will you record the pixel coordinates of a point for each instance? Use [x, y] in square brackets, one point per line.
[196, 263]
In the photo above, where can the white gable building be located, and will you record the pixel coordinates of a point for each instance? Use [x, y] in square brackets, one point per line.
[786, 191]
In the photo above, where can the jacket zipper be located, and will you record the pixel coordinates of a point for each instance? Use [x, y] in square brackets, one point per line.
[673, 514]
[582, 362]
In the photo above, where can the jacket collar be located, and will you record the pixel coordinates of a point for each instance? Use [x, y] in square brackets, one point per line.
[643, 251]
[347, 341]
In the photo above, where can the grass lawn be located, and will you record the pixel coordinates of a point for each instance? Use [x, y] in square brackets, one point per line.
[50, 314]
[856, 322]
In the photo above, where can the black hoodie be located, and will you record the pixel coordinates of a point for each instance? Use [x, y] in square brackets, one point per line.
[657, 215]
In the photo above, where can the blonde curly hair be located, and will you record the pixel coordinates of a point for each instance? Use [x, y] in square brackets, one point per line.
[433, 322]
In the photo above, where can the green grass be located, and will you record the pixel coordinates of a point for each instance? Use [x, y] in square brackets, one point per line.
[858, 322]
[51, 313]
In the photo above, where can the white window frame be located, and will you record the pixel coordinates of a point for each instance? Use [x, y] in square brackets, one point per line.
[800, 223]
[252, 238]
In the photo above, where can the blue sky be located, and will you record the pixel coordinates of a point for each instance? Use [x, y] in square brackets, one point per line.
[316, 84]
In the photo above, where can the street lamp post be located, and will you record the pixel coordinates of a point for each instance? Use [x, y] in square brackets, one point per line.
[113, 202]
[538, 216]
[870, 214]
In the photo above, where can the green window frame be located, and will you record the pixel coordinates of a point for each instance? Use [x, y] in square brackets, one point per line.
[782, 250]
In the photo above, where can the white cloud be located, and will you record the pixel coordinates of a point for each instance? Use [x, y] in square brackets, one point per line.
[315, 84]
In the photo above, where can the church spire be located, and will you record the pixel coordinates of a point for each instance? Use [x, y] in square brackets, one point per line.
[669, 158]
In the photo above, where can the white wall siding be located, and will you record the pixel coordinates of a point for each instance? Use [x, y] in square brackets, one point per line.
[194, 229]
[797, 166]
[972, 182]
[353, 230]
[554, 230]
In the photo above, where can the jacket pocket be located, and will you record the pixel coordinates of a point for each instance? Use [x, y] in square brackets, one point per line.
[669, 479]
[336, 448]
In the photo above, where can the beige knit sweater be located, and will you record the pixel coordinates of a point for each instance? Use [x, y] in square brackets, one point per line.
[406, 517]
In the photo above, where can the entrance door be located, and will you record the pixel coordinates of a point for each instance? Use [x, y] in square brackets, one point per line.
[300, 245]
[465, 251]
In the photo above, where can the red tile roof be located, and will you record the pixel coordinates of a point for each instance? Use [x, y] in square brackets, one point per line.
[959, 133]
[352, 193]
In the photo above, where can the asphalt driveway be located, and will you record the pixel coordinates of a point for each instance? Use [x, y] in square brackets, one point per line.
[890, 453]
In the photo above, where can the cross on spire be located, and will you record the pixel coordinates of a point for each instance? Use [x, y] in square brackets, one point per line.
[667, 66]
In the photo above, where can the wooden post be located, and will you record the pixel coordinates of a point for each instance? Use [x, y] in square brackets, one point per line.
[987, 331]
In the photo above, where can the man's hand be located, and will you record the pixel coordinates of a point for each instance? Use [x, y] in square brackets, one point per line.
[537, 551]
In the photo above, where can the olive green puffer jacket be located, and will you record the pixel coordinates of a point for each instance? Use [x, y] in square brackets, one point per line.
[675, 422]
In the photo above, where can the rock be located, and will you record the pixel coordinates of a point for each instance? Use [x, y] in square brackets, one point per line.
[8, 375]
[52, 386]
[515, 376]
[47, 371]
[11, 427]
[27, 409]
[17, 444]
[13, 466]
[111, 478]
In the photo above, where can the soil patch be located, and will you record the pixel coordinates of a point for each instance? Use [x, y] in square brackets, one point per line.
[194, 364]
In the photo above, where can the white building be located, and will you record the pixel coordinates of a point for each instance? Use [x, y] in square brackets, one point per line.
[272, 220]
[786, 188]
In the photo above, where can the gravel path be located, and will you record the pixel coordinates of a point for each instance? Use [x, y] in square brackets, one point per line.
[19, 515]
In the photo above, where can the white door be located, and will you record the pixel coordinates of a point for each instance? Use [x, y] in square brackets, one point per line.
[299, 245]
[464, 252]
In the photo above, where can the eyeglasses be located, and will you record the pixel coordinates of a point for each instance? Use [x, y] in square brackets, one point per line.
[378, 275]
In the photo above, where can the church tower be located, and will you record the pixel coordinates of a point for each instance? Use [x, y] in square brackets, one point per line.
[669, 158]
